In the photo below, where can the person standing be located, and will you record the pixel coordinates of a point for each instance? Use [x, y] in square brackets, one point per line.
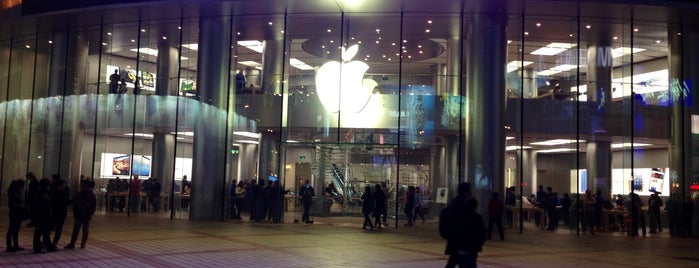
[588, 209]
[466, 231]
[419, 205]
[84, 204]
[60, 199]
[367, 207]
[495, 210]
[239, 197]
[185, 191]
[379, 205]
[654, 204]
[41, 217]
[510, 202]
[135, 203]
[155, 194]
[409, 205]
[306, 193]
[114, 82]
[18, 210]
[231, 195]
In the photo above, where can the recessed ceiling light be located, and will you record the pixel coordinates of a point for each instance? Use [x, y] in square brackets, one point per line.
[588, 26]
[332, 41]
[393, 44]
[164, 37]
[657, 41]
[555, 142]
[405, 41]
[133, 40]
[282, 31]
[238, 33]
[329, 30]
[429, 21]
[571, 35]
[143, 30]
[179, 27]
[526, 33]
[378, 30]
[270, 23]
[420, 51]
[50, 42]
[538, 24]
[109, 33]
[377, 41]
[427, 30]
[679, 33]
[635, 29]
[104, 44]
[27, 46]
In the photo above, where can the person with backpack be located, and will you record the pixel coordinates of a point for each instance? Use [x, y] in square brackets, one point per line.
[463, 228]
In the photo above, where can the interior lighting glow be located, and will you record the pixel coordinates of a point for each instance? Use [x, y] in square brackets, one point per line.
[143, 135]
[514, 65]
[247, 134]
[248, 141]
[552, 49]
[185, 133]
[146, 50]
[191, 46]
[253, 45]
[557, 69]
[557, 150]
[299, 64]
[512, 148]
[627, 144]
[250, 63]
[555, 142]
[621, 51]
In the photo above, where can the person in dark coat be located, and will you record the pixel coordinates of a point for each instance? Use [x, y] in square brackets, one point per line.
[41, 217]
[18, 210]
[60, 199]
[495, 210]
[306, 193]
[367, 207]
[379, 205]
[84, 205]
[468, 236]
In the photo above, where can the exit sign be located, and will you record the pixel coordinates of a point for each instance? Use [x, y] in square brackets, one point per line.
[303, 157]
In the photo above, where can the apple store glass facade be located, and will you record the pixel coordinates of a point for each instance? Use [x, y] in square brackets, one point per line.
[574, 96]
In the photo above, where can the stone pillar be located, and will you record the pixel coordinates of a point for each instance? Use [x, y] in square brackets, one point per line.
[599, 85]
[529, 88]
[683, 54]
[163, 145]
[454, 68]
[247, 167]
[599, 167]
[485, 55]
[209, 146]
[268, 155]
[273, 66]
[439, 78]
[63, 130]
[528, 169]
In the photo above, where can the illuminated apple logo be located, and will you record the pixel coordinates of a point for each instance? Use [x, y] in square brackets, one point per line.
[341, 85]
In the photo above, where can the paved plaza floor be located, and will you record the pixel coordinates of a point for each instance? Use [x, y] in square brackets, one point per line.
[155, 241]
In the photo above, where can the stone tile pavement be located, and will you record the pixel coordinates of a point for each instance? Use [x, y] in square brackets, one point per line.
[155, 241]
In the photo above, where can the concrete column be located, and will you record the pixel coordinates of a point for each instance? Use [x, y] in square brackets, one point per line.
[268, 155]
[66, 82]
[454, 68]
[163, 167]
[167, 82]
[247, 166]
[273, 66]
[529, 88]
[439, 78]
[485, 55]
[209, 146]
[599, 85]
[529, 168]
[599, 167]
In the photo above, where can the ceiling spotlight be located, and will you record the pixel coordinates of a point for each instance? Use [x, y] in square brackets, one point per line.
[588, 26]
[393, 44]
[538, 24]
[133, 41]
[526, 33]
[657, 41]
[405, 41]
[427, 30]
[419, 46]
[270, 23]
[615, 38]
[329, 30]
[164, 37]
[282, 31]
[238, 33]
[104, 44]
[27, 46]
[179, 27]
[429, 21]
[378, 30]
[50, 42]
[143, 30]
[571, 35]
[109, 33]
[635, 29]
[679, 33]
